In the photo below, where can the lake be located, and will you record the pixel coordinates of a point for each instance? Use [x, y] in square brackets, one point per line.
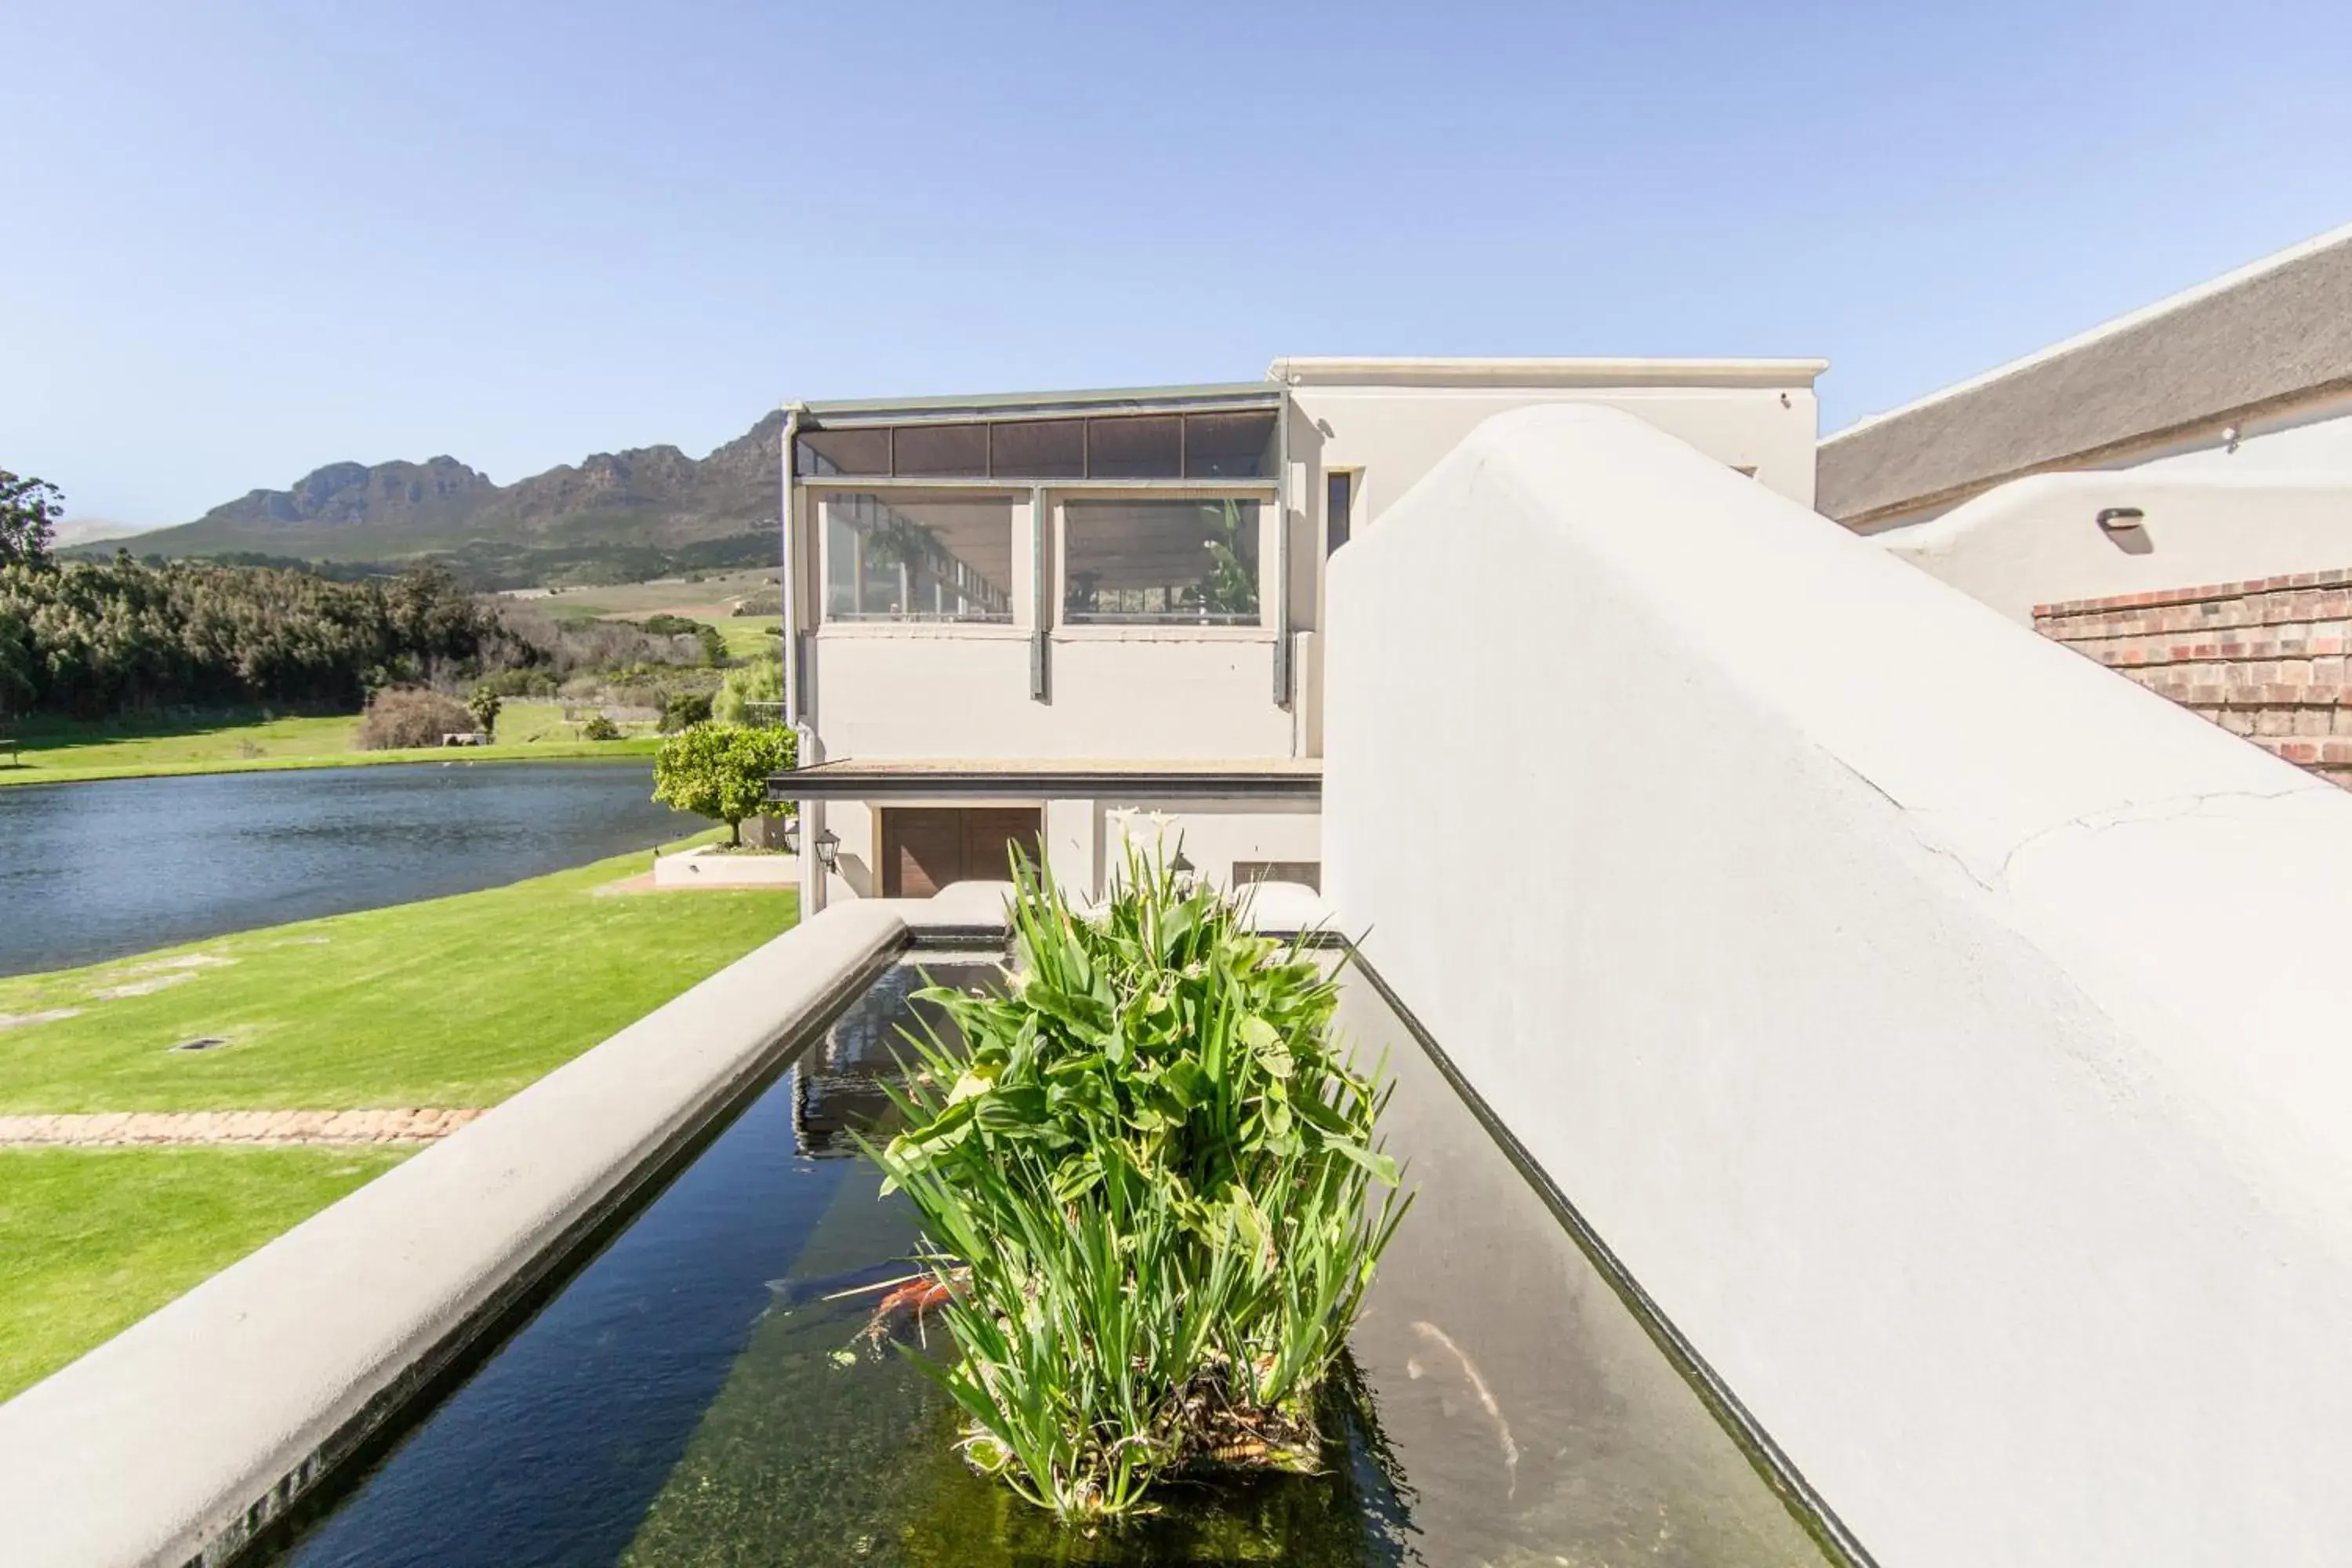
[94, 871]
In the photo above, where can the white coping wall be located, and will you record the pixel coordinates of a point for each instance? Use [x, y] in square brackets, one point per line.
[2037, 541]
[167, 1444]
[1946, 1032]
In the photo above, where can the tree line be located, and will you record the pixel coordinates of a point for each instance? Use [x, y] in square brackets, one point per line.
[97, 639]
[92, 639]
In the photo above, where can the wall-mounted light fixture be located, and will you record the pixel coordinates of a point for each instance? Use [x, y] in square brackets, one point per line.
[828, 849]
[2120, 519]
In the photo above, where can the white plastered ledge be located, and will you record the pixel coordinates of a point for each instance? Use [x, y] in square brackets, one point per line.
[1945, 1032]
[165, 1444]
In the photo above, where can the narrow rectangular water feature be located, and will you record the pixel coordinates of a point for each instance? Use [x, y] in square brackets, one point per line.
[691, 1397]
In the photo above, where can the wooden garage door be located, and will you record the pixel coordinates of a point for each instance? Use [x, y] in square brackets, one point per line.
[925, 848]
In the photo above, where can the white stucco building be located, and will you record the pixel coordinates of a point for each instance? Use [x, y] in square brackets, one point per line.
[1024, 619]
[2206, 439]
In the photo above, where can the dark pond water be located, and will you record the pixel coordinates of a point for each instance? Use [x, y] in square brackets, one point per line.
[686, 1398]
[94, 871]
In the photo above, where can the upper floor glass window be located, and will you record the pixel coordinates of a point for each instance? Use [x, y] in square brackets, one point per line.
[843, 452]
[1212, 444]
[1238, 445]
[1161, 563]
[1148, 447]
[917, 558]
[1038, 449]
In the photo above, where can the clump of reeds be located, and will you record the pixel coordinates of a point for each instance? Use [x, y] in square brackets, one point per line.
[1153, 1192]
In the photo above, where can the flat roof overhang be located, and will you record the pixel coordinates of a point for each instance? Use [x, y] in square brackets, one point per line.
[1051, 779]
[847, 414]
[1428, 371]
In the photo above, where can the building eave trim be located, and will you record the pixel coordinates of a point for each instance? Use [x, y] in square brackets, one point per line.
[1141, 781]
[1326, 371]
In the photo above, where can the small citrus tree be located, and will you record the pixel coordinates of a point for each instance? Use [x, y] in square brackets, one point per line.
[722, 771]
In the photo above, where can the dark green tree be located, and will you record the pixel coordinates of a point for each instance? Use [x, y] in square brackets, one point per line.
[484, 705]
[29, 510]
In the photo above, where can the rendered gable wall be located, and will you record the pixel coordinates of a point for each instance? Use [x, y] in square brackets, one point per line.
[1945, 1033]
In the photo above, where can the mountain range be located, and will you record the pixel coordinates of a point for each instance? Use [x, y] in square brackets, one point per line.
[648, 497]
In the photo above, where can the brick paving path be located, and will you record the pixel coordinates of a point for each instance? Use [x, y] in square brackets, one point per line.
[412, 1125]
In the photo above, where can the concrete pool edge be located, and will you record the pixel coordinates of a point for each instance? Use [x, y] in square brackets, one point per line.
[225, 1419]
[275, 1369]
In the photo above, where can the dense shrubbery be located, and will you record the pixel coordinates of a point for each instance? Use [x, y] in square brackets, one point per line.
[747, 693]
[600, 728]
[1154, 1193]
[402, 716]
[681, 710]
[567, 645]
[94, 639]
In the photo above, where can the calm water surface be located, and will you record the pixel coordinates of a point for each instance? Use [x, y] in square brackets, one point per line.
[94, 871]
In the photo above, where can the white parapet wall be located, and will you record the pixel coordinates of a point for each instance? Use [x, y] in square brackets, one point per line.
[169, 1444]
[709, 865]
[1946, 1032]
[2038, 540]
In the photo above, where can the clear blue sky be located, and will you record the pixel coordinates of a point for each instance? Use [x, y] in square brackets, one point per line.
[245, 239]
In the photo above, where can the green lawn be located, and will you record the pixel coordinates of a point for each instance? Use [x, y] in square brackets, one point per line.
[92, 1240]
[749, 637]
[58, 752]
[61, 744]
[452, 1001]
[540, 723]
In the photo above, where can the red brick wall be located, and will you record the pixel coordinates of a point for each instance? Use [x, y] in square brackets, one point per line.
[2264, 659]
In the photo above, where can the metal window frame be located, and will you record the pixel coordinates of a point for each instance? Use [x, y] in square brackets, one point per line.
[788, 571]
[1040, 627]
[1079, 409]
[1333, 479]
[823, 554]
[1259, 492]
[1284, 684]
[990, 411]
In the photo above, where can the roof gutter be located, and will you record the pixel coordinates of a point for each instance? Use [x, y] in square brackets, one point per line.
[1771, 374]
[847, 414]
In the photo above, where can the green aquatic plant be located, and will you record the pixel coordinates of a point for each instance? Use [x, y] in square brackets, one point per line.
[1151, 1186]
